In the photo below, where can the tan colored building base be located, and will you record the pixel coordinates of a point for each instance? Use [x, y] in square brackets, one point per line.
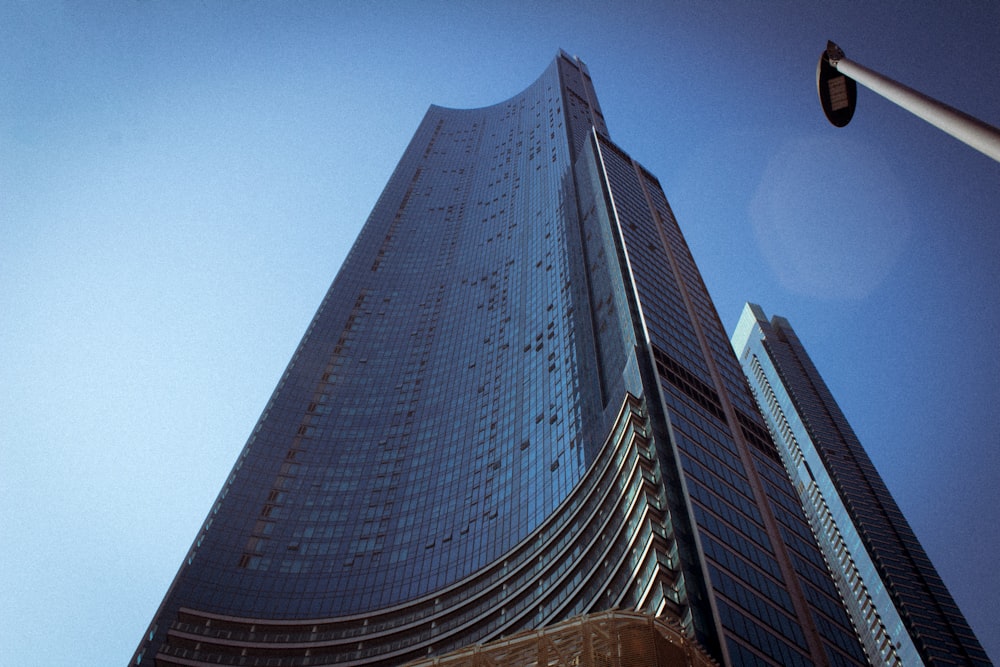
[614, 638]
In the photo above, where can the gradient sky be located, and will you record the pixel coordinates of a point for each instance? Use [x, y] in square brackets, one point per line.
[180, 181]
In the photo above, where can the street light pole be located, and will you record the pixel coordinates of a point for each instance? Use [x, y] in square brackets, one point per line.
[982, 136]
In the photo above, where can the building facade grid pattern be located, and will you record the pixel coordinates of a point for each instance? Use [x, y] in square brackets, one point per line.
[900, 607]
[515, 404]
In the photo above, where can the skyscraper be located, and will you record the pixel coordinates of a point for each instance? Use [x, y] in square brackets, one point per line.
[516, 404]
[900, 607]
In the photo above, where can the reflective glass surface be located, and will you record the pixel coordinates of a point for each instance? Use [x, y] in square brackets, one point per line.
[899, 605]
[515, 404]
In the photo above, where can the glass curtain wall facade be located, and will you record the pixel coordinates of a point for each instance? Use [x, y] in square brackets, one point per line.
[515, 405]
[901, 609]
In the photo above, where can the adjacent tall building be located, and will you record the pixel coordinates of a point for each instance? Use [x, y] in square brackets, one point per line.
[515, 405]
[898, 603]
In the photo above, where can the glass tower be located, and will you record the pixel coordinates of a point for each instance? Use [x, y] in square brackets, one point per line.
[515, 405]
[898, 603]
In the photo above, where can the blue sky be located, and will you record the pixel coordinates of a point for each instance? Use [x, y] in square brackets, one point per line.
[179, 182]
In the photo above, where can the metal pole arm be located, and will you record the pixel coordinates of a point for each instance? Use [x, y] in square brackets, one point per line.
[974, 132]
